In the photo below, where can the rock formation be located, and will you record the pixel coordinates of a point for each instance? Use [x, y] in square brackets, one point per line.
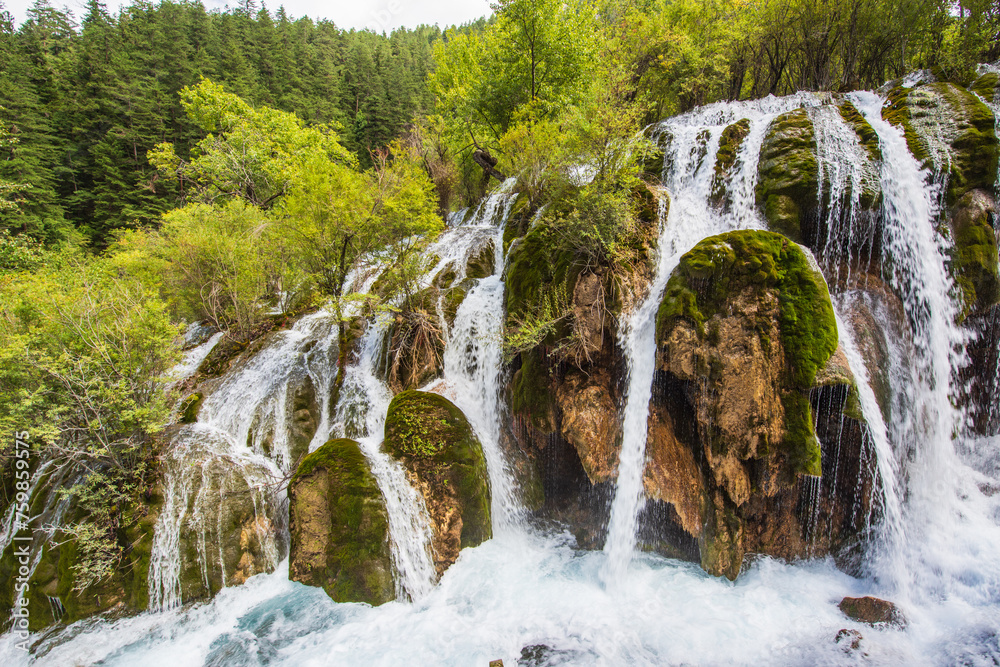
[444, 461]
[339, 526]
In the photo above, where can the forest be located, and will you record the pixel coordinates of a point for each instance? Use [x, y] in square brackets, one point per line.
[168, 165]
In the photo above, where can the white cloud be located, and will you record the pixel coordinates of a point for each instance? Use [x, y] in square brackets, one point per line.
[378, 15]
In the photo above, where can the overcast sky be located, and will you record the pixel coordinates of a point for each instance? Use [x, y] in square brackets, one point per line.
[377, 15]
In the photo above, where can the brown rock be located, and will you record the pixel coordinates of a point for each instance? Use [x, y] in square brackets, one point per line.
[743, 404]
[873, 611]
[590, 422]
[671, 474]
[849, 640]
[588, 313]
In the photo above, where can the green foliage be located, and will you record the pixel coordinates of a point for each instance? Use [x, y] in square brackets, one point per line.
[250, 154]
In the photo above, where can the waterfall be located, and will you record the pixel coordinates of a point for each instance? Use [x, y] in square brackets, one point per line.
[361, 415]
[534, 597]
[472, 359]
[691, 217]
[916, 254]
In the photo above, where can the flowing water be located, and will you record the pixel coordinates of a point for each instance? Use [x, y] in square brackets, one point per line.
[532, 597]
[691, 217]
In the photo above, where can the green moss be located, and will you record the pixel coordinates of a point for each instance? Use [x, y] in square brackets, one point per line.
[536, 266]
[866, 133]
[974, 261]
[532, 392]
[190, 407]
[481, 265]
[722, 266]
[788, 174]
[986, 86]
[356, 566]
[800, 444]
[432, 435]
[973, 152]
[729, 147]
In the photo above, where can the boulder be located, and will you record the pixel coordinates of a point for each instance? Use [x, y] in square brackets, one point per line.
[747, 363]
[725, 158]
[339, 526]
[950, 131]
[788, 176]
[444, 461]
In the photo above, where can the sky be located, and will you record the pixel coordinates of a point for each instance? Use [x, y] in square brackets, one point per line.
[378, 15]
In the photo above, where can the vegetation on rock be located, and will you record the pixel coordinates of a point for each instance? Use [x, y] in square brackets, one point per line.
[436, 443]
[339, 526]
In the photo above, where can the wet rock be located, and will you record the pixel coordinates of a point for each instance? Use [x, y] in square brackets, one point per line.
[190, 406]
[339, 526]
[873, 611]
[590, 422]
[849, 640]
[788, 176]
[975, 256]
[725, 158]
[444, 461]
[481, 264]
[950, 131]
[747, 363]
[305, 418]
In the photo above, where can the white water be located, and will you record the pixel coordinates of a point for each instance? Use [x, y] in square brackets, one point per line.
[473, 356]
[691, 218]
[923, 434]
[361, 416]
[617, 607]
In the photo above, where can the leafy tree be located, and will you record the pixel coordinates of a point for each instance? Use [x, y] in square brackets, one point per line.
[254, 155]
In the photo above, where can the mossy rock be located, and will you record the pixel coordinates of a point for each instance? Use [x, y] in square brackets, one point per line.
[788, 175]
[947, 128]
[482, 263]
[435, 441]
[722, 265]
[975, 255]
[533, 396]
[866, 133]
[760, 263]
[729, 147]
[536, 267]
[986, 87]
[339, 526]
[190, 407]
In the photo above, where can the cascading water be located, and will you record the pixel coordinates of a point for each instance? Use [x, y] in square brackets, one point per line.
[472, 356]
[361, 416]
[533, 598]
[690, 218]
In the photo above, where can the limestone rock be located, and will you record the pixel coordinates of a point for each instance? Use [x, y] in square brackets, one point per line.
[950, 131]
[444, 460]
[339, 526]
[590, 422]
[788, 175]
[725, 158]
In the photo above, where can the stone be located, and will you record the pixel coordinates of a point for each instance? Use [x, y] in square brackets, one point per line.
[590, 422]
[873, 611]
[445, 463]
[339, 526]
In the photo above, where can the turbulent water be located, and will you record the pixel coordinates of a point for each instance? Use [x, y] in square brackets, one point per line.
[530, 596]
